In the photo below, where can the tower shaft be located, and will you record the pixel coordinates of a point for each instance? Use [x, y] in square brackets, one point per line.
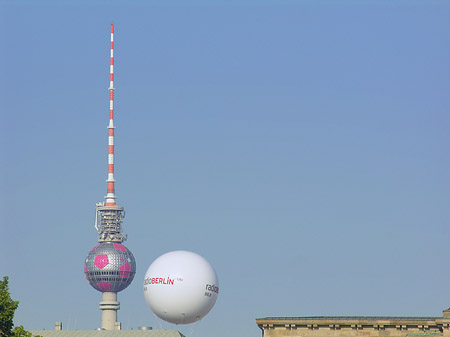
[109, 307]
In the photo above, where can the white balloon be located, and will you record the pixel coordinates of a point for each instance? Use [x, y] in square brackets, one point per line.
[181, 287]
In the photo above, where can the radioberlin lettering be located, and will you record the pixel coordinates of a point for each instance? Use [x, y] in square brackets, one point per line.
[170, 281]
[158, 280]
[212, 287]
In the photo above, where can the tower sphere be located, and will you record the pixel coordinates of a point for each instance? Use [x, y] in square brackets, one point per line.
[110, 266]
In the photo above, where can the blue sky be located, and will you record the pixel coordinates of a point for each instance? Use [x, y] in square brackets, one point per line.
[300, 146]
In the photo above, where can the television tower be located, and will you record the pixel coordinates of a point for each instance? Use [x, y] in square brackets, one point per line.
[110, 267]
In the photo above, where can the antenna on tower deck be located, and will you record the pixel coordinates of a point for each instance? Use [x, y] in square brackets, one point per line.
[111, 196]
[108, 220]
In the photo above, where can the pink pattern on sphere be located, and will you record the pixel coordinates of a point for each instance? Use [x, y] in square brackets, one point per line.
[110, 266]
[104, 286]
[125, 270]
[120, 247]
[101, 261]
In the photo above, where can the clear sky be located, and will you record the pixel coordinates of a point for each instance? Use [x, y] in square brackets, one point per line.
[302, 147]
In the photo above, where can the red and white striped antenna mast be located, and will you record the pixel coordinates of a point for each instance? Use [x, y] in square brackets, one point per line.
[111, 196]
[108, 219]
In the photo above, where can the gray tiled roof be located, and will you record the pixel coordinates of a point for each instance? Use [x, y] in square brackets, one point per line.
[105, 333]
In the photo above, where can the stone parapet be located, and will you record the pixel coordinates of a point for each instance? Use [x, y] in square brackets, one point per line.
[444, 322]
[331, 326]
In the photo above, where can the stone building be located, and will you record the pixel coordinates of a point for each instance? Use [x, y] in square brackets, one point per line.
[330, 326]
